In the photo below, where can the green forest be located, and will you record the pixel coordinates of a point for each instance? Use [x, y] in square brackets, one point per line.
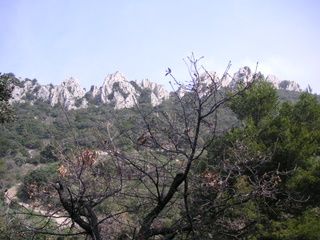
[216, 163]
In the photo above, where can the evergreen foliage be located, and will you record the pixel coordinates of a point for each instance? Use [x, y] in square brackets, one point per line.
[280, 125]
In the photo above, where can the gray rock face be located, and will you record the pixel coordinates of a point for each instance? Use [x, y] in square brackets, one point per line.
[158, 93]
[69, 94]
[243, 75]
[121, 93]
[284, 84]
[115, 90]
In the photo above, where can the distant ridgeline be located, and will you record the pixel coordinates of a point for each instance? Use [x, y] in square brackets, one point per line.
[116, 90]
[121, 93]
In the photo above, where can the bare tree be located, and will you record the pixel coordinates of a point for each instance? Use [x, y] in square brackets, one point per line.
[168, 145]
[147, 187]
[68, 206]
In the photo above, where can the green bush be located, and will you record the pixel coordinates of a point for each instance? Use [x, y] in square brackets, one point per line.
[36, 179]
[48, 154]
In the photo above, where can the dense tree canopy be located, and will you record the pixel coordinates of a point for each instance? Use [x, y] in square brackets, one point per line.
[6, 111]
[289, 134]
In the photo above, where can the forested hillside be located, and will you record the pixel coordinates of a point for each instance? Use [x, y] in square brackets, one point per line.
[215, 163]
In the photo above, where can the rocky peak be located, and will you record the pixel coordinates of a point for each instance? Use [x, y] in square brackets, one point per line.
[283, 84]
[115, 77]
[118, 90]
[209, 77]
[19, 91]
[145, 83]
[158, 93]
[73, 86]
[243, 75]
[118, 80]
[289, 86]
[122, 93]
[69, 93]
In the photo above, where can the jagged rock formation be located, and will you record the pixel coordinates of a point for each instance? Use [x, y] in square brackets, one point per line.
[284, 84]
[158, 93]
[245, 74]
[115, 90]
[69, 94]
[122, 93]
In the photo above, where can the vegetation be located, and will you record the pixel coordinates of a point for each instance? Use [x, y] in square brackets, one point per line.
[6, 111]
[216, 163]
[288, 133]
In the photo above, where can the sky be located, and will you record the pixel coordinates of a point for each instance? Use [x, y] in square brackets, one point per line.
[53, 40]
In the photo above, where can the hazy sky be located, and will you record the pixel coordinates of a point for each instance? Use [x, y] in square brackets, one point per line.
[54, 39]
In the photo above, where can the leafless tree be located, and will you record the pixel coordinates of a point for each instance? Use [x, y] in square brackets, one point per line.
[150, 181]
[167, 147]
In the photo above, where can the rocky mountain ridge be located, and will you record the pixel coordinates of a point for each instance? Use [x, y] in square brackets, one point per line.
[120, 92]
[115, 90]
[245, 74]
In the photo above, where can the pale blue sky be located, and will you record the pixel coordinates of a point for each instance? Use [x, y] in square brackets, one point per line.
[54, 39]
